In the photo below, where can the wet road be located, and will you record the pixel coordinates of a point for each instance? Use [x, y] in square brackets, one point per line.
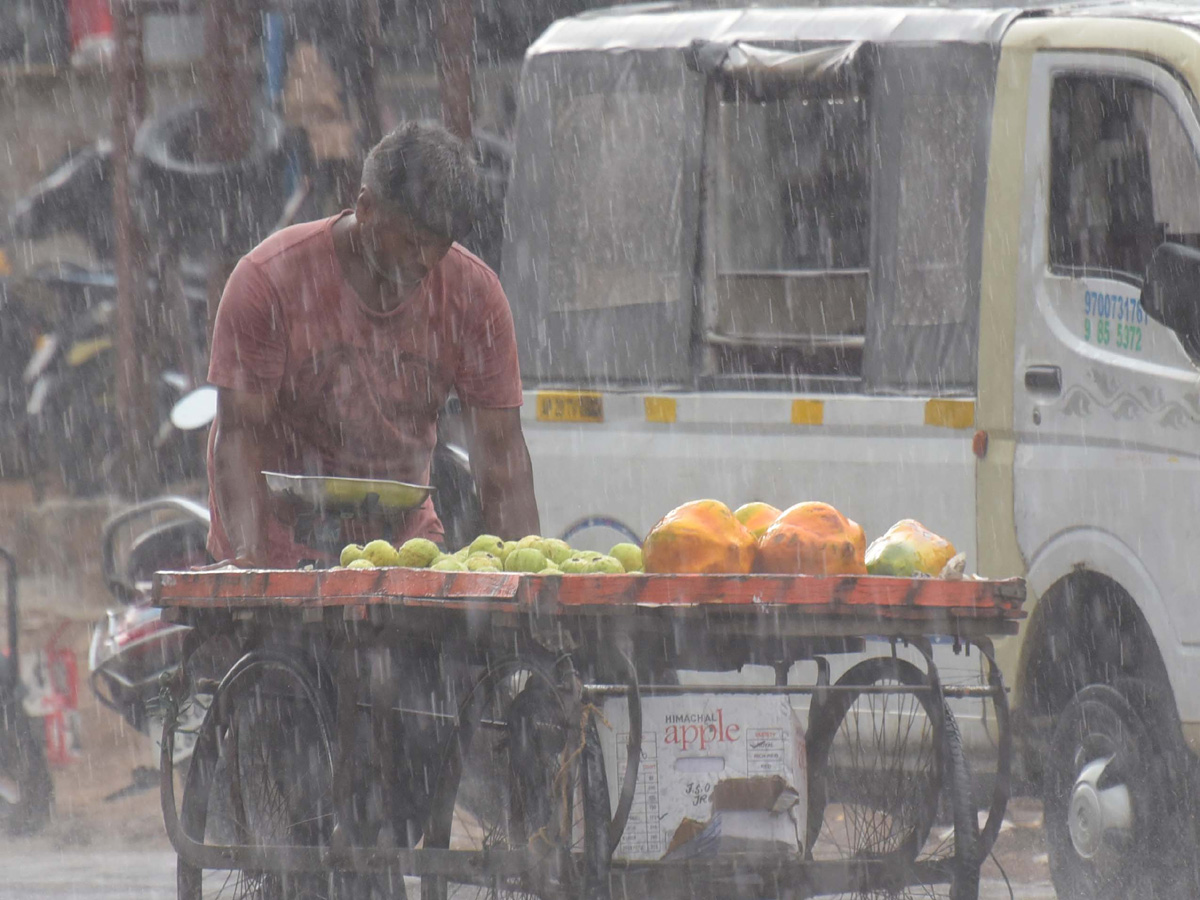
[108, 875]
[28, 872]
[31, 869]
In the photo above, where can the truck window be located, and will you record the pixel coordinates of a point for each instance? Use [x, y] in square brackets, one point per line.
[1123, 178]
[789, 231]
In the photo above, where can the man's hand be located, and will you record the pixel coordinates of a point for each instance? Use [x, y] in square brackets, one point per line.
[502, 470]
[246, 438]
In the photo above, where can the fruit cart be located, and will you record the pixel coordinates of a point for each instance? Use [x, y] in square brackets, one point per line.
[318, 772]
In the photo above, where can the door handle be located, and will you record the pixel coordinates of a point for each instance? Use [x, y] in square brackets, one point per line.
[1045, 380]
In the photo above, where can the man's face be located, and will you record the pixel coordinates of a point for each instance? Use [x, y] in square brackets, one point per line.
[396, 248]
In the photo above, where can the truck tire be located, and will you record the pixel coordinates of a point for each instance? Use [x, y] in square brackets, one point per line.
[1117, 820]
[185, 201]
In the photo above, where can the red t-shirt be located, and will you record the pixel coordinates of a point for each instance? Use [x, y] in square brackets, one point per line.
[358, 391]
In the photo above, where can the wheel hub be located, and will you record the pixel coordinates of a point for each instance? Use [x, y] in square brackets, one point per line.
[1095, 811]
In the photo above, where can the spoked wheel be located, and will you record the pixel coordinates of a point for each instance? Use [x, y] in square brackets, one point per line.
[261, 773]
[1113, 822]
[510, 780]
[878, 762]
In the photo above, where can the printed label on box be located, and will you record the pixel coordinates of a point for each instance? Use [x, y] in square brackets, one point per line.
[689, 744]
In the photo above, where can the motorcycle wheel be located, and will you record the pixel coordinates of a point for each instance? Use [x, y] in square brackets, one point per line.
[193, 202]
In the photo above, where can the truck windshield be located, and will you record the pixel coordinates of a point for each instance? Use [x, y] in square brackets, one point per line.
[1123, 177]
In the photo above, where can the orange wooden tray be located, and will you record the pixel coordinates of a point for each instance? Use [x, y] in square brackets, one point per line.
[866, 596]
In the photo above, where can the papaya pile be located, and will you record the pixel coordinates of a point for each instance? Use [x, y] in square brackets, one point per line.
[533, 554]
[811, 538]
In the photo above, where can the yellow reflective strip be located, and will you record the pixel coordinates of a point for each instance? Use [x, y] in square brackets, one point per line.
[950, 413]
[5, 268]
[808, 412]
[660, 409]
[570, 406]
[86, 350]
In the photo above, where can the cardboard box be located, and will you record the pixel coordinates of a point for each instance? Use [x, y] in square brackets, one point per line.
[692, 743]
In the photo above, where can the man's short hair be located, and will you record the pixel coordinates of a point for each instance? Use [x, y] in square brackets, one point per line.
[428, 174]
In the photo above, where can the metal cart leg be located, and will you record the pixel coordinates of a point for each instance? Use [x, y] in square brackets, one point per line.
[1004, 752]
[598, 847]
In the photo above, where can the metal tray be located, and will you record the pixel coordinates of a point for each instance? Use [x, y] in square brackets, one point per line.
[321, 493]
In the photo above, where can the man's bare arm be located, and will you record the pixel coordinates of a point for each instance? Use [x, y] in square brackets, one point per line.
[246, 439]
[502, 470]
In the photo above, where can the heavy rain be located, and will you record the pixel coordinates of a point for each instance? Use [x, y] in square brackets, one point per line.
[550, 449]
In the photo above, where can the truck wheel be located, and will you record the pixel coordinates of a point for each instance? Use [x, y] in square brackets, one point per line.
[1115, 824]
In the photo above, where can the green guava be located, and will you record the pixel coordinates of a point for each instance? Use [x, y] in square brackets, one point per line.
[381, 553]
[525, 560]
[486, 543]
[477, 561]
[629, 555]
[606, 565]
[556, 551]
[418, 553]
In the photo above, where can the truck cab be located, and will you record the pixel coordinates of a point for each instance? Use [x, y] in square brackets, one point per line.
[917, 263]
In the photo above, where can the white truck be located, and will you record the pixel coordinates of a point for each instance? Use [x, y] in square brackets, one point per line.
[928, 263]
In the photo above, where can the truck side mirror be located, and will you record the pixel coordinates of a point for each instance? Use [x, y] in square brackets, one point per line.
[1171, 293]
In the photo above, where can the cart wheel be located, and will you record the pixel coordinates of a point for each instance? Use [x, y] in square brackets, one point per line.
[25, 786]
[510, 780]
[877, 763]
[261, 773]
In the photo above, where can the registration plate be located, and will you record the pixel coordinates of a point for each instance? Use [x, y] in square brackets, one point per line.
[570, 406]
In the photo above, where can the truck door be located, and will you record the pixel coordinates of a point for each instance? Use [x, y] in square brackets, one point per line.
[1106, 407]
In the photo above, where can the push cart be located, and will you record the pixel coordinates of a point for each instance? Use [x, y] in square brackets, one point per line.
[400, 732]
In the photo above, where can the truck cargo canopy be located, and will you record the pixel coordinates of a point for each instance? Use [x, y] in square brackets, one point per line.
[764, 73]
[605, 223]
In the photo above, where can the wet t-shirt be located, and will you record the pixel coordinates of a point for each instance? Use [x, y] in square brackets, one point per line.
[358, 391]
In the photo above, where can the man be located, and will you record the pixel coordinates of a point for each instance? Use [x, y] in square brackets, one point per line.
[337, 342]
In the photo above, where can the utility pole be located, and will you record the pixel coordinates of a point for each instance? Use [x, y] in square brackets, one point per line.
[128, 107]
[456, 64]
[227, 86]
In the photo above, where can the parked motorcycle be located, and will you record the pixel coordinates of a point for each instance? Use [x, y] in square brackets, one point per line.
[70, 422]
[133, 647]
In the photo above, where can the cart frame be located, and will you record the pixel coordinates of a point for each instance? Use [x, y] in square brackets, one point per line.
[699, 622]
